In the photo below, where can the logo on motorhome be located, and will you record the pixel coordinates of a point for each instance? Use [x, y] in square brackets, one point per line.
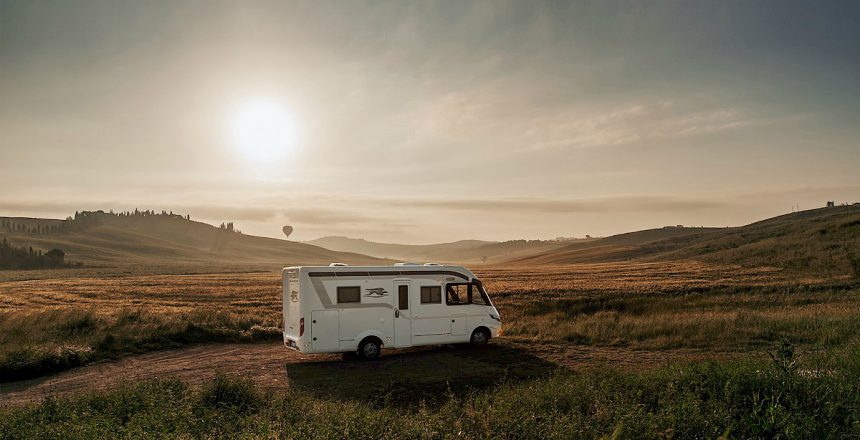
[376, 292]
[294, 296]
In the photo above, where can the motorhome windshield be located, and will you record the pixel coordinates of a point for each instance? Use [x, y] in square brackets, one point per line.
[479, 292]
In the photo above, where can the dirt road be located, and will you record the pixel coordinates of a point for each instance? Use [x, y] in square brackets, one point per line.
[271, 365]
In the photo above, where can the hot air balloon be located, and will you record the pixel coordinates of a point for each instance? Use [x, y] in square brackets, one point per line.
[288, 230]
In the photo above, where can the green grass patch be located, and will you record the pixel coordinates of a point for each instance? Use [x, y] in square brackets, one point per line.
[738, 399]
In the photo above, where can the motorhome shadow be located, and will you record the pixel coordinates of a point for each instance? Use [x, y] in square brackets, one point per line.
[363, 309]
[427, 374]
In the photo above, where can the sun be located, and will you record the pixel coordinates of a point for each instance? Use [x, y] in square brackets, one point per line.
[264, 131]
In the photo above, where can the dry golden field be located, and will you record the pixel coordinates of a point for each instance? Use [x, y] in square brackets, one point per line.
[674, 305]
[601, 341]
[52, 324]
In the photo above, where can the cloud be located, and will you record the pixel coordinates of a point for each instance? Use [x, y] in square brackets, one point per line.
[523, 116]
[560, 206]
[328, 216]
[641, 122]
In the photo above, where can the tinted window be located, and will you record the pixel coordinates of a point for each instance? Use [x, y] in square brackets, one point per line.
[348, 295]
[403, 297]
[479, 296]
[431, 295]
[457, 294]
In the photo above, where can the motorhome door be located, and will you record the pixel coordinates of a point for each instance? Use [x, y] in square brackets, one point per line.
[402, 314]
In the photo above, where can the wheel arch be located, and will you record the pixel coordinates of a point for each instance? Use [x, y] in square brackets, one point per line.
[484, 329]
[371, 334]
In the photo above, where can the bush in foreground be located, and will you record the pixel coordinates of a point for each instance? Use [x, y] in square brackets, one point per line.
[708, 400]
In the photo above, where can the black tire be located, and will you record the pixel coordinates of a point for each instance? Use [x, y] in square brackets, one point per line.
[369, 349]
[479, 337]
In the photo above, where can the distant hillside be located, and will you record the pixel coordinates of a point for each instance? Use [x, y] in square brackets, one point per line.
[465, 251]
[820, 241]
[106, 239]
[431, 252]
[823, 241]
[611, 248]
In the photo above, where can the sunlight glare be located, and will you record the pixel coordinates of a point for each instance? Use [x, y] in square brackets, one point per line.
[264, 131]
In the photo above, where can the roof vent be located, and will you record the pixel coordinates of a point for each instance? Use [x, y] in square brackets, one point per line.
[432, 264]
[406, 264]
[337, 265]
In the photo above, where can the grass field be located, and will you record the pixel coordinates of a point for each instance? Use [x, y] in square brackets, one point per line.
[751, 399]
[676, 305]
[51, 324]
[54, 324]
[523, 387]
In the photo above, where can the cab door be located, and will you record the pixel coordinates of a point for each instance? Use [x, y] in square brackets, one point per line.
[402, 314]
[457, 299]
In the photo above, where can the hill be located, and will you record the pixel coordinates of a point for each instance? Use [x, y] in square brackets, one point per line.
[100, 238]
[615, 247]
[431, 252]
[464, 251]
[823, 241]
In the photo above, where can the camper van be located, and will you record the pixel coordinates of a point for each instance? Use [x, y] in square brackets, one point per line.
[361, 309]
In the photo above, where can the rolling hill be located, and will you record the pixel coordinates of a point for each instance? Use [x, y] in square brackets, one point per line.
[615, 247]
[823, 241]
[476, 251]
[99, 238]
[406, 252]
[465, 251]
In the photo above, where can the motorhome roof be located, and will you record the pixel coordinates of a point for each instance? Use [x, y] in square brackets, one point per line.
[432, 266]
[455, 270]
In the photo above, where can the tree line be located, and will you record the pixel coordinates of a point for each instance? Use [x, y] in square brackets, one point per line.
[229, 227]
[84, 219]
[80, 220]
[86, 215]
[9, 225]
[13, 257]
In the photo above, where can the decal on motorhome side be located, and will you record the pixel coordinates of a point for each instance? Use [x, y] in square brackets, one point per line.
[376, 292]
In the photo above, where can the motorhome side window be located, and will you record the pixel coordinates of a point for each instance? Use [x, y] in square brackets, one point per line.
[457, 294]
[431, 294]
[348, 294]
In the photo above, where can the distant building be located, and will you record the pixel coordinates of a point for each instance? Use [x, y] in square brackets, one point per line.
[831, 203]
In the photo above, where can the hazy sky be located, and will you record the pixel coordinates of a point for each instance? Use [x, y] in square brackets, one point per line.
[433, 121]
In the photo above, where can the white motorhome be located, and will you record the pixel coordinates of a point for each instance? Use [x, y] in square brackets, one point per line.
[341, 309]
